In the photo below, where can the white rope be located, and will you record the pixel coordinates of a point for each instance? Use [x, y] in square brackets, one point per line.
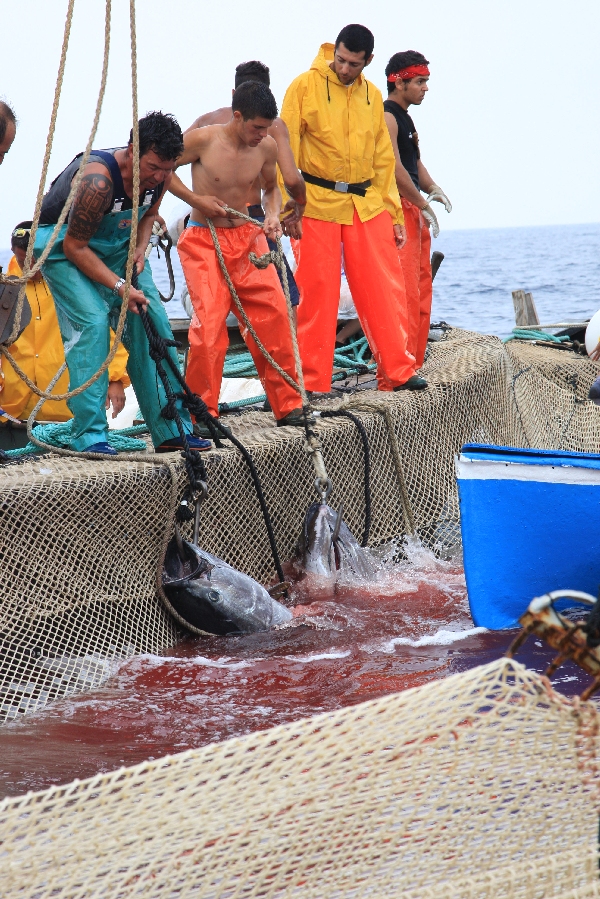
[29, 273]
[47, 394]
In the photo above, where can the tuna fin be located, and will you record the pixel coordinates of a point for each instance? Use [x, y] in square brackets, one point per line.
[338, 524]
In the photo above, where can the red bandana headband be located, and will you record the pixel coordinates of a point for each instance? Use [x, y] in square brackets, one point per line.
[409, 72]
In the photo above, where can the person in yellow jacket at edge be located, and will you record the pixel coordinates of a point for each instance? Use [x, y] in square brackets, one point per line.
[39, 352]
[342, 146]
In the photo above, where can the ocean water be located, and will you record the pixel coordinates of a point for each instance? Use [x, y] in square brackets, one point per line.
[558, 264]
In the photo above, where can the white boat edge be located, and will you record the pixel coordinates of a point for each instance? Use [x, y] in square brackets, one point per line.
[500, 470]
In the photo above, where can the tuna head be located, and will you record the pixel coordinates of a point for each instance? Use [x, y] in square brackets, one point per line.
[211, 596]
[327, 544]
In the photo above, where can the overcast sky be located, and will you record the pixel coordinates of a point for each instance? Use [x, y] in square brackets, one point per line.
[509, 129]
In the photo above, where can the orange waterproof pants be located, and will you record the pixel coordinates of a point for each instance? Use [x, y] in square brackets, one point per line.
[264, 303]
[377, 285]
[416, 265]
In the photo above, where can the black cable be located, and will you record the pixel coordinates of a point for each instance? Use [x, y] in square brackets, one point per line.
[165, 243]
[334, 413]
[197, 407]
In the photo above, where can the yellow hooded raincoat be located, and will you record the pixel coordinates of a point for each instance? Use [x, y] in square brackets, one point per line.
[39, 353]
[339, 133]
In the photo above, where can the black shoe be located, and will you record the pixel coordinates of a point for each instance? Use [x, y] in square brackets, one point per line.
[414, 383]
[295, 419]
[201, 430]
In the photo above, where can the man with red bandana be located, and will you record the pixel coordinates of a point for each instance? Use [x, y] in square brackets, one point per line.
[407, 76]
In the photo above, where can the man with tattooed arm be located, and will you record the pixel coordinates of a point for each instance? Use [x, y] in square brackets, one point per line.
[85, 271]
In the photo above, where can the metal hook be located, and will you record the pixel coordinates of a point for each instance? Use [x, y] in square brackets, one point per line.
[323, 486]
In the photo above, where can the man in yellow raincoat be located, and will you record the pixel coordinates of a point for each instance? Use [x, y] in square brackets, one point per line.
[39, 352]
[342, 147]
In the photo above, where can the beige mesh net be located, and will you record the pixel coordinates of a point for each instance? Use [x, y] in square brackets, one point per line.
[82, 542]
[482, 785]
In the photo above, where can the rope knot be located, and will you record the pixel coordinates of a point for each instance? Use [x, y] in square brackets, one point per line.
[273, 256]
[195, 405]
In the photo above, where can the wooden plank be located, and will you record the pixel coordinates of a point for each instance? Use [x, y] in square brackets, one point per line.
[525, 311]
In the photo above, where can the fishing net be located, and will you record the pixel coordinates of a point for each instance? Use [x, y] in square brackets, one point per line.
[483, 785]
[82, 542]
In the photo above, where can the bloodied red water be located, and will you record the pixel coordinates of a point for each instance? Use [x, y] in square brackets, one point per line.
[343, 647]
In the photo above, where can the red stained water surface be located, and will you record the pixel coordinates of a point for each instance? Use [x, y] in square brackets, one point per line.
[343, 647]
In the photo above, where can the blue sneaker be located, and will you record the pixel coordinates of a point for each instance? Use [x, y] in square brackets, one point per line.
[104, 448]
[174, 444]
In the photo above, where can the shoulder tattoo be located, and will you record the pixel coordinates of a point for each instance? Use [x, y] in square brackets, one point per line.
[90, 204]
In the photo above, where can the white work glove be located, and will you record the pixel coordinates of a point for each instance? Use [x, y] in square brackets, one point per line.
[436, 193]
[429, 216]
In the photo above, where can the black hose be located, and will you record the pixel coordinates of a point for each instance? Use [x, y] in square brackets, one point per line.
[166, 243]
[334, 413]
[259, 492]
[196, 406]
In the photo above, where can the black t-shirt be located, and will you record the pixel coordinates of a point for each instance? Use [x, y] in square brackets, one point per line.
[408, 141]
[56, 197]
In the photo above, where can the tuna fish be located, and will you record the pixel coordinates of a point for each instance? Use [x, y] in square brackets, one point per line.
[327, 545]
[211, 596]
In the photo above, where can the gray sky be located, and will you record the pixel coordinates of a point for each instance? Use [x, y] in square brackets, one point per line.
[509, 129]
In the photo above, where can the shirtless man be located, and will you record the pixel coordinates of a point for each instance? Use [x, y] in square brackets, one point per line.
[291, 177]
[226, 160]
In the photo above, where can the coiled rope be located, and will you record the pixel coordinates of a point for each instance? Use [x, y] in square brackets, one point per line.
[535, 334]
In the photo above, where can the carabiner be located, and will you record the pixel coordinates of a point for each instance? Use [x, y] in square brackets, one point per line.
[323, 486]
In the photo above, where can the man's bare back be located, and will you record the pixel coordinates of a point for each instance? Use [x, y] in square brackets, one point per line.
[227, 160]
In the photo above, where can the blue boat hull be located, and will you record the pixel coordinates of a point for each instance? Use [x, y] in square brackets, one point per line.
[530, 523]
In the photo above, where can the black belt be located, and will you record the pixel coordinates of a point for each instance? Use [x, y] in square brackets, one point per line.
[341, 187]
[256, 211]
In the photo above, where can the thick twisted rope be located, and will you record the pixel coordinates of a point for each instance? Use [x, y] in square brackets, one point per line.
[258, 261]
[47, 394]
[27, 272]
[313, 444]
[30, 272]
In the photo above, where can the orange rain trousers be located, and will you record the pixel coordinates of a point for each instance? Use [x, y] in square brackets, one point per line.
[377, 285]
[416, 265]
[264, 303]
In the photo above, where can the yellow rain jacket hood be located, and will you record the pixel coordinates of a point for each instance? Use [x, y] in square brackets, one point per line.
[339, 133]
[39, 353]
